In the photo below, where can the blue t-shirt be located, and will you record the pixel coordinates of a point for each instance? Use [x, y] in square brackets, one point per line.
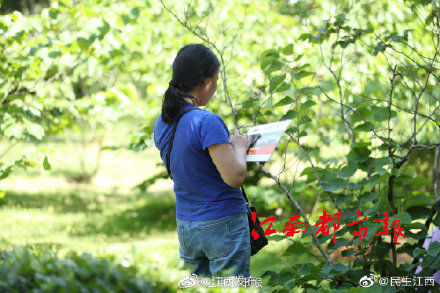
[201, 193]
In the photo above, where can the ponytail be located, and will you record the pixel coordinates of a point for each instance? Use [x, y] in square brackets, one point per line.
[192, 65]
[173, 102]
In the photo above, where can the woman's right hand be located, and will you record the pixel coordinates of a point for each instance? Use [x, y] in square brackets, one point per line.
[240, 141]
[230, 158]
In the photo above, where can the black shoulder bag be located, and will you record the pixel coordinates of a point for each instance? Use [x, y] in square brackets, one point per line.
[257, 238]
[172, 139]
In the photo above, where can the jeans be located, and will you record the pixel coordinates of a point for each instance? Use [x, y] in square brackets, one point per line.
[219, 247]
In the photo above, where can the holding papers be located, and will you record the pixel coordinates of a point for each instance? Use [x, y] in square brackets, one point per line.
[270, 133]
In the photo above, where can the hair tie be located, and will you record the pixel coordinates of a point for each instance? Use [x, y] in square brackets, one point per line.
[173, 83]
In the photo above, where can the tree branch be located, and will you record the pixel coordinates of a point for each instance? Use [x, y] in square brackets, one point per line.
[303, 214]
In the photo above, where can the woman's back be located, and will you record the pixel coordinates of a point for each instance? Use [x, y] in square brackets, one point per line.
[201, 193]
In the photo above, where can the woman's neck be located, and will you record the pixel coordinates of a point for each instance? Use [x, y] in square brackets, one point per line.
[189, 101]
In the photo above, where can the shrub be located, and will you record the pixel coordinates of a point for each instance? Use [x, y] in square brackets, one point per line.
[30, 270]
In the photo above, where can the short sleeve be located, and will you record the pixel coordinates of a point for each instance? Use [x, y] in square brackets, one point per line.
[213, 130]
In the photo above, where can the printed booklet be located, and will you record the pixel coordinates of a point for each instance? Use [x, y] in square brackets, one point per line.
[267, 137]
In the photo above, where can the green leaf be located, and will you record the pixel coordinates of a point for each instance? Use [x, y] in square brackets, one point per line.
[270, 52]
[287, 278]
[403, 217]
[334, 185]
[348, 252]
[304, 269]
[83, 43]
[418, 252]
[379, 162]
[53, 13]
[436, 220]
[135, 12]
[296, 249]
[436, 206]
[276, 81]
[54, 54]
[307, 171]
[285, 101]
[380, 47]
[417, 236]
[419, 181]
[359, 152]
[307, 104]
[340, 199]
[289, 115]
[327, 85]
[285, 87]
[46, 164]
[268, 57]
[384, 178]
[372, 229]
[288, 50]
[307, 36]
[275, 66]
[380, 113]
[331, 270]
[348, 170]
[380, 170]
[418, 200]
[434, 248]
[273, 237]
[340, 242]
[364, 127]
[104, 29]
[367, 197]
[418, 212]
[373, 210]
[301, 74]
[304, 120]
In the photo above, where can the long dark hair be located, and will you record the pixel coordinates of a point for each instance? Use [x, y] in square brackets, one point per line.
[193, 63]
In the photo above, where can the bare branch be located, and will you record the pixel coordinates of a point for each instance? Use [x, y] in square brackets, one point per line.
[390, 100]
[420, 128]
[337, 79]
[357, 113]
[303, 214]
[222, 61]
[435, 172]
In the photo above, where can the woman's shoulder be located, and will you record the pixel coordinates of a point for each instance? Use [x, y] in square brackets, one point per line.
[202, 114]
[205, 113]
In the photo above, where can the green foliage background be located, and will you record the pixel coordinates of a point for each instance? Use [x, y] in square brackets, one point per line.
[359, 79]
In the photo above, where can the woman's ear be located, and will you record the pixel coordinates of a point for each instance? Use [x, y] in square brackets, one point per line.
[207, 82]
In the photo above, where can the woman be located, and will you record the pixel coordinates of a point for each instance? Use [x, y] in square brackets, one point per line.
[208, 168]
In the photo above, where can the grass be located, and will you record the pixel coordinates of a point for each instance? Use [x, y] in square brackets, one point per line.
[104, 217]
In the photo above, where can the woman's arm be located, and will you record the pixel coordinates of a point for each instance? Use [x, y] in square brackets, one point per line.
[230, 159]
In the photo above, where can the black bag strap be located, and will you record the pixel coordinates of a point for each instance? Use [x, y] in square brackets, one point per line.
[244, 194]
[172, 139]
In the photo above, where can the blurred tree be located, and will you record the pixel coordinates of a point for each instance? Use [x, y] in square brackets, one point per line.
[24, 6]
